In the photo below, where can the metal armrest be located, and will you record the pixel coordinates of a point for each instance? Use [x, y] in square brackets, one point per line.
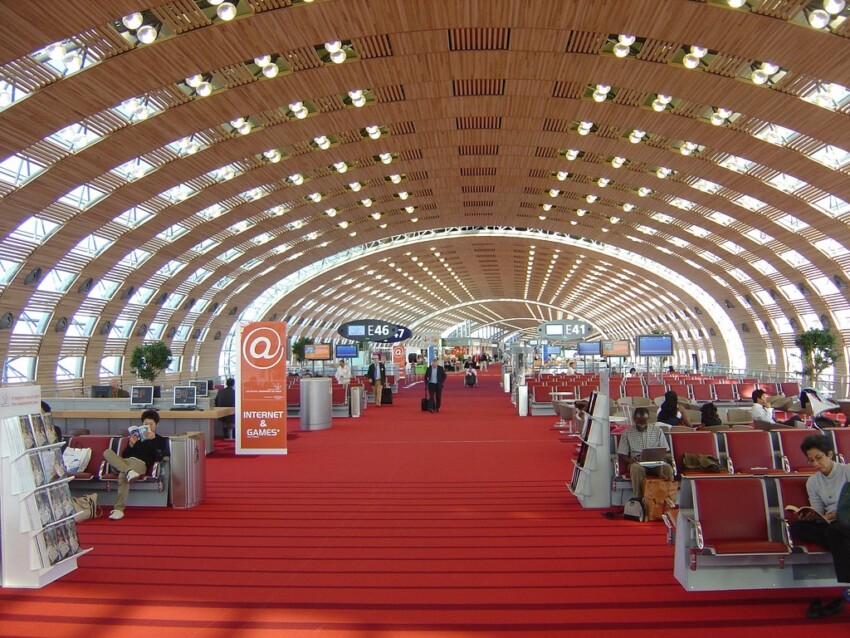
[698, 531]
[785, 464]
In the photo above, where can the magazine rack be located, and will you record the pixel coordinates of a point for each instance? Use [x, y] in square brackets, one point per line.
[592, 472]
[37, 527]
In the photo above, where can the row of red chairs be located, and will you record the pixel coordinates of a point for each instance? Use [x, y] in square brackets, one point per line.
[98, 467]
[748, 451]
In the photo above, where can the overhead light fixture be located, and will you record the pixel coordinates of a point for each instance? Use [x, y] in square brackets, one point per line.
[581, 212]
[600, 94]
[636, 136]
[273, 155]
[355, 186]
[395, 178]
[762, 74]
[204, 89]
[602, 182]
[693, 57]
[818, 18]
[132, 21]
[322, 142]
[623, 46]
[643, 191]
[298, 110]
[554, 192]
[225, 10]
[374, 132]
[376, 215]
[688, 148]
[585, 127]
[316, 197]
[357, 97]
[343, 224]
[628, 207]
[337, 53]
[618, 162]
[403, 195]
[146, 34]
[341, 167]
[663, 172]
[386, 158]
[263, 60]
[562, 175]
[297, 179]
[547, 207]
[409, 209]
[571, 154]
[331, 212]
[591, 198]
[271, 70]
[660, 102]
[366, 202]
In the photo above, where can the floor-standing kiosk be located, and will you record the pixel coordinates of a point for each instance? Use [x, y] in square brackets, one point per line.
[37, 527]
[592, 470]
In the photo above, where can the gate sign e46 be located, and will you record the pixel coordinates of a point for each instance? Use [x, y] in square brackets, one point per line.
[374, 330]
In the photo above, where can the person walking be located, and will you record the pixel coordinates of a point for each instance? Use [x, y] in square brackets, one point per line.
[435, 376]
[377, 374]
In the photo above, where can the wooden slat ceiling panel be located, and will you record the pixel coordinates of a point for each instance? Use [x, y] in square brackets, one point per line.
[180, 16]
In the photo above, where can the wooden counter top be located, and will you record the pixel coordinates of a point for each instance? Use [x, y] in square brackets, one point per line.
[213, 413]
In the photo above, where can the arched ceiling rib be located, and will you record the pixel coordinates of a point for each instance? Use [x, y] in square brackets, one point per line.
[478, 114]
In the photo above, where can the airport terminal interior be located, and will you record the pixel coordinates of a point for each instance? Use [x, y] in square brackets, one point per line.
[468, 169]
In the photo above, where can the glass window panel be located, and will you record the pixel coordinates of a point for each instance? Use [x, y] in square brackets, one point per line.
[122, 329]
[174, 301]
[182, 333]
[765, 298]
[82, 197]
[832, 206]
[142, 296]
[824, 286]
[110, 367]
[19, 369]
[57, 281]
[810, 320]
[176, 363]
[17, 171]
[104, 289]
[35, 230]
[8, 270]
[31, 322]
[155, 330]
[81, 326]
[791, 292]
[68, 368]
[134, 217]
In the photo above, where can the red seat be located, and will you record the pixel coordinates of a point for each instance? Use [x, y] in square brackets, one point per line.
[338, 395]
[701, 392]
[724, 392]
[98, 443]
[293, 395]
[770, 389]
[731, 518]
[793, 458]
[791, 490]
[841, 438]
[681, 389]
[108, 473]
[655, 390]
[634, 389]
[750, 453]
[682, 443]
[745, 391]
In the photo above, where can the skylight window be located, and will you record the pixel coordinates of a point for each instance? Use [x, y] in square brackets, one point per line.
[739, 275]
[81, 326]
[786, 183]
[135, 258]
[211, 212]
[174, 301]
[758, 236]
[121, 329]
[737, 164]
[661, 217]
[69, 368]
[750, 203]
[170, 268]
[199, 275]
[134, 169]
[206, 245]
[731, 247]
[90, 246]
[792, 223]
[155, 331]
[764, 297]
[698, 232]
[828, 96]
[75, 137]
[8, 270]
[720, 218]
[82, 197]
[684, 204]
[764, 268]
[824, 286]
[135, 216]
[142, 296]
[57, 281]
[104, 289]
[223, 283]
[31, 322]
[794, 258]
[832, 206]
[831, 156]
[831, 248]
[34, 230]
[17, 171]
[173, 232]
[178, 193]
[775, 134]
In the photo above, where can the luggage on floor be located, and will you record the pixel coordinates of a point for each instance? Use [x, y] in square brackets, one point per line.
[470, 380]
[427, 405]
[386, 396]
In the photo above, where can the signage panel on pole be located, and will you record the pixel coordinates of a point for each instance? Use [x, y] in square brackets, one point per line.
[261, 400]
[399, 360]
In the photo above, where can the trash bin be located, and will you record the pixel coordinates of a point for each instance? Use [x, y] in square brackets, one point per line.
[316, 403]
[188, 476]
[355, 399]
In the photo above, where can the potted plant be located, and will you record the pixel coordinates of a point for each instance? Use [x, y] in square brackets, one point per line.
[298, 347]
[819, 350]
[149, 359]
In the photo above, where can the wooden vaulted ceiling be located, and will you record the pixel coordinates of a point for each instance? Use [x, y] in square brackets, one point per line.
[477, 103]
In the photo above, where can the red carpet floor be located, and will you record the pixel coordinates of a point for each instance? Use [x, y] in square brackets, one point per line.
[398, 523]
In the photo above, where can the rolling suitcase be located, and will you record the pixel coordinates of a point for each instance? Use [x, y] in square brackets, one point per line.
[386, 396]
[427, 405]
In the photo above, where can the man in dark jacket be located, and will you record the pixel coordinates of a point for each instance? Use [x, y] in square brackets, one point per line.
[435, 377]
[377, 374]
[226, 398]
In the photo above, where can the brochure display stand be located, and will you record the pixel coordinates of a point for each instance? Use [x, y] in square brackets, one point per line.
[37, 526]
[592, 471]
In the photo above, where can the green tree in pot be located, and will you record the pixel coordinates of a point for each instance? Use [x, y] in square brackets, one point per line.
[149, 359]
[819, 350]
[298, 347]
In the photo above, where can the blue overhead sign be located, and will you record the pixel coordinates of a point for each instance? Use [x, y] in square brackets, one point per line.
[374, 330]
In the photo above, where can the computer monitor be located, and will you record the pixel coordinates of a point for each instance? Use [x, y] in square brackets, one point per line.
[101, 392]
[654, 345]
[317, 352]
[588, 348]
[345, 350]
[184, 395]
[200, 388]
[141, 396]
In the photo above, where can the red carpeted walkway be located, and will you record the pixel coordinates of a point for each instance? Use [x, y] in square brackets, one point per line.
[399, 523]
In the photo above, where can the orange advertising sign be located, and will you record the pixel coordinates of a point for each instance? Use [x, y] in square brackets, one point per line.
[261, 400]
[398, 359]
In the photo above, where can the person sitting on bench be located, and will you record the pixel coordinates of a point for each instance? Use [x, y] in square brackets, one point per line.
[136, 459]
[633, 441]
[763, 414]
